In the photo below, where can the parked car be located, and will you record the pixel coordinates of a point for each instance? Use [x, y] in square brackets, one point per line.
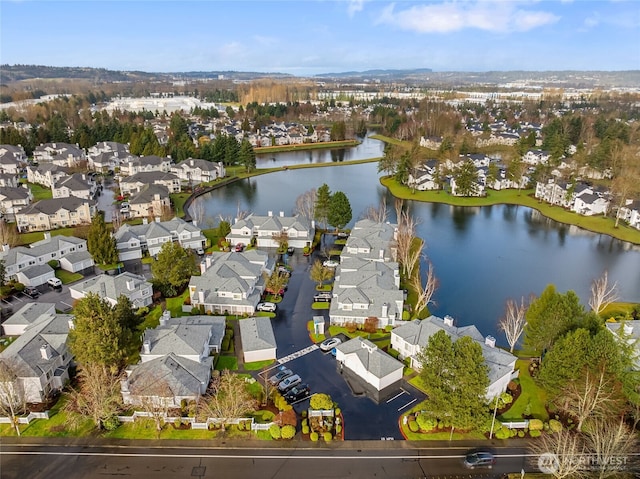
[200, 251]
[479, 458]
[291, 250]
[288, 382]
[329, 344]
[343, 235]
[239, 248]
[297, 393]
[54, 283]
[124, 207]
[329, 263]
[322, 297]
[31, 291]
[279, 376]
[284, 270]
[268, 307]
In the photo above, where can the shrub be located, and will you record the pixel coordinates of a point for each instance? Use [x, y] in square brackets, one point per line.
[305, 429]
[327, 436]
[275, 431]
[351, 326]
[304, 413]
[426, 423]
[506, 398]
[321, 401]
[413, 426]
[313, 436]
[338, 429]
[288, 431]
[176, 422]
[535, 425]
[546, 426]
[111, 423]
[555, 425]
[305, 422]
[337, 411]
[520, 433]
[512, 386]
[502, 433]
[535, 433]
[225, 343]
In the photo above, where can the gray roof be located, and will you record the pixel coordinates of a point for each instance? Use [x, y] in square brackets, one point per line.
[78, 256]
[273, 223]
[256, 334]
[149, 160]
[25, 351]
[36, 271]
[148, 177]
[147, 194]
[376, 237]
[169, 376]
[204, 165]
[419, 331]
[186, 336]
[32, 313]
[112, 287]
[39, 248]
[154, 229]
[51, 206]
[15, 192]
[375, 361]
[75, 182]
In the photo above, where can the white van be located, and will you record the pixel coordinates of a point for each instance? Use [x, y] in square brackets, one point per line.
[54, 283]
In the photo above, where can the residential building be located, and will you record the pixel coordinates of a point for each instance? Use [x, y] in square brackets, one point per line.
[536, 157]
[46, 174]
[27, 316]
[49, 214]
[40, 358]
[136, 288]
[7, 180]
[257, 339]
[79, 185]
[153, 200]
[13, 199]
[130, 185]
[195, 171]
[630, 213]
[134, 241]
[629, 332]
[108, 155]
[12, 159]
[371, 241]
[412, 337]
[61, 154]
[299, 230]
[145, 164]
[231, 283]
[425, 176]
[431, 142]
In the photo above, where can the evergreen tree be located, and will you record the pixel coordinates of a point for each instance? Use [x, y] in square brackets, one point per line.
[323, 202]
[247, 156]
[173, 268]
[100, 242]
[339, 210]
[466, 178]
[125, 315]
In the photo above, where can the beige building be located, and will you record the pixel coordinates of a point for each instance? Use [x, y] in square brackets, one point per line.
[50, 214]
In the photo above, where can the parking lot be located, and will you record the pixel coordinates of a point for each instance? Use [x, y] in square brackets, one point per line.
[364, 418]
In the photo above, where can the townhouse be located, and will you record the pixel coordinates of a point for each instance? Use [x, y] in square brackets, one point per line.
[135, 165]
[47, 174]
[14, 199]
[195, 171]
[49, 214]
[78, 185]
[136, 288]
[61, 154]
[264, 229]
[12, 159]
[152, 200]
[106, 156]
[137, 182]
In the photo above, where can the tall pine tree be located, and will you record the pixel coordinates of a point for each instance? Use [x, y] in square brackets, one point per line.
[100, 242]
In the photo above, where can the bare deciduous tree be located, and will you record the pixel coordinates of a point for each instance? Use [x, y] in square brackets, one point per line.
[281, 238]
[611, 445]
[97, 396]
[425, 293]
[602, 295]
[513, 321]
[405, 239]
[413, 258]
[13, 399]
[306, 204]
[196, 211]
[231, 399]
[563, 448]
[379, 214]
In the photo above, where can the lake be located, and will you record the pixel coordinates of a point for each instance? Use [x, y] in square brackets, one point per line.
[482, 255]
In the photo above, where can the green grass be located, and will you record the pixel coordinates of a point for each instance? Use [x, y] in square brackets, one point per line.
[146, 429]
[68, 277]
[147, 260]
[178, 200]
[227, 362]
[530, 393]
[316, 338]
[40, 192]
[152, 319]
[597, 224]
[419, 383]
[107, 267]
[32, 237]
[258, 365]
[616, 310]
[321, 305]
[175, 304]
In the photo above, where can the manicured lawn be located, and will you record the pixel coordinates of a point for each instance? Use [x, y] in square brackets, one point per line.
[68, 277]
[175, 304]
[321, 305]
[146, 429]
[227, 362]
[615, 310]
[257, 365]
[418, 383]
[152, 319]
[178, 200]
[32, 237]
[40, 192]
[531, 393]
[107, 267]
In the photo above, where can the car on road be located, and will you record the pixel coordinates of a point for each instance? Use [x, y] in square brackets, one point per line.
[268, 307]
[297, 393]
[54, 283]
[288, 382]
[279, 376]
[479, 458]
[329, 344]
[31, 291]
[322, 297]
[239, 248]
[329, 263]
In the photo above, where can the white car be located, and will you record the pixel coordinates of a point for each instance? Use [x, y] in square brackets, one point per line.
[330, 263]
[289, 382]
[268, 307]
[329, 344]
[54, 283]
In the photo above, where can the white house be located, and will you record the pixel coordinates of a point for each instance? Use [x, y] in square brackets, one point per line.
[298, 229]
[136, 288]
[373, 366]
[412, 337]
[630, 213]
[61, 154]
[130, 185]
[153, 200]
[46, 174]
[590, 204]
[14, 199]
[198, 171]
[27, 316]
[78, 185]
[145, 163]
[257, 338]
[49, 214]
[12, 159]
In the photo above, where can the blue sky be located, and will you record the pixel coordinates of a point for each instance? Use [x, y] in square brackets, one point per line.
[305, 37]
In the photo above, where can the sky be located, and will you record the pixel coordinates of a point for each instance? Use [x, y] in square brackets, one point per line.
[308, 37]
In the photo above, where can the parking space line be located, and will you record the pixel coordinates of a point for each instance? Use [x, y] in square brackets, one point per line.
[396, 396]
[297, 354]
[408, 404]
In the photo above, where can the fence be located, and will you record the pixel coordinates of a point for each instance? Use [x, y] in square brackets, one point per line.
[516, 424]
[198, 425]
[26, 419]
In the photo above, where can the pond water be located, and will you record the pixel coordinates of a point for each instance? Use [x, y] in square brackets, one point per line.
[482, 255]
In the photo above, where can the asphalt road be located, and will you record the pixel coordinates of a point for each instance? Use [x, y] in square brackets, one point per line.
[160, 460]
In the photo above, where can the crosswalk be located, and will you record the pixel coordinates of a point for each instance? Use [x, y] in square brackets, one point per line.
[297, 354]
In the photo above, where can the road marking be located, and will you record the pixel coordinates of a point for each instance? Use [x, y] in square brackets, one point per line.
[66, 304]
[395, 397]
[408, 404]
[297, 354]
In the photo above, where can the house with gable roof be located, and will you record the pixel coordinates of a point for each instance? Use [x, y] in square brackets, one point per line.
[27, 316]
[40, 358]
[630, 213]
[152, 200]
[257, 339]
[628, 331]
[197, 171]
[413, 336]
[136, 288]
[424, 176]
[590, 203]
[79, 185]
[46, 174]
[12, 159]
[61, 154]
[49, 214]
[130, 185]
[135, 165]
[108, 155]
[263, 228]
[231, 283]
[14, 199]
[364, 359]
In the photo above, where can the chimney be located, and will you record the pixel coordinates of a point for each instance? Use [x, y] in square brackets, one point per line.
[381, 254]
[201, 297]
[146, 346]
[270, 213]
[47, 235]
[385, 310]
[282, 214]
[145, 221]
[490, 341]
[71, 324]
[448, 320]
[130, 285]
[166, 316]
[5, 248]
[628, 329]
[191, 162]
[45, 352]
[195, 224]
[203, 266]
[313, 224]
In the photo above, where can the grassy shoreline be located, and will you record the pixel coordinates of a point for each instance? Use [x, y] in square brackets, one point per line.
[305, 146]
[595, 224]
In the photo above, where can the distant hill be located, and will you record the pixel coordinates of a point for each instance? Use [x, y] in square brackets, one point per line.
[11, 73]
[379, 73]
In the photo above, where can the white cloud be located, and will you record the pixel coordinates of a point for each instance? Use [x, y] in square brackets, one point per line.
[492, 16]
[355, 6]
